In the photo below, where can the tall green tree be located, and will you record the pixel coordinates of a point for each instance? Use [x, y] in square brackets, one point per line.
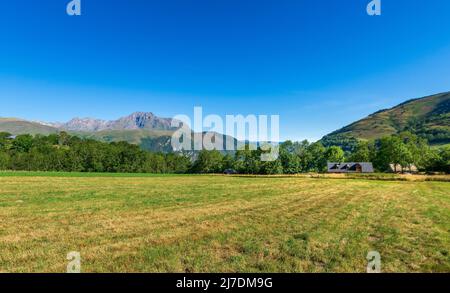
[22, 143]
[228, 162]
[361, 152]
[5, 141]
[393, 150]
[440, 161]
[290, 160]
[334, 154]
[271, 167]
[248, 161]
[4, 161]
[317, 162]
[208, 162]
[419, 149]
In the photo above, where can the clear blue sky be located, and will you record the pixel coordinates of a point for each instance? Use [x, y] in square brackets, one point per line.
[319, 64]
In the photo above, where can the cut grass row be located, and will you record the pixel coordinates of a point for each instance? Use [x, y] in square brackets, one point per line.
[367, 176]
[222, 224]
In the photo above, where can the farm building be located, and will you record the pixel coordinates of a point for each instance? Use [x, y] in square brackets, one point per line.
[350, 168]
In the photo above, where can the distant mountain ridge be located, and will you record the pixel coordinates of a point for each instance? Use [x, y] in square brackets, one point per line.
[17, 126]
[145, 129]
[151, 132]
[427, 117]
[135, 121]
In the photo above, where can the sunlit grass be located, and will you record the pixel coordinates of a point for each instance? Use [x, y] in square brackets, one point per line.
[221, 224]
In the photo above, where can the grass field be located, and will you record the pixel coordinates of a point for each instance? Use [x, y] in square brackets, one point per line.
[184, 223]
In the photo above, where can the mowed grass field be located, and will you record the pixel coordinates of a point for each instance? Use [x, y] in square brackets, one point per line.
[183, 223]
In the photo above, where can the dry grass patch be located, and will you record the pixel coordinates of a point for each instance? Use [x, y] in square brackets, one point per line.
[222, 224]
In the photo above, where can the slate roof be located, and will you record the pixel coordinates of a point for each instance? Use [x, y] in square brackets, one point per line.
[349, 167]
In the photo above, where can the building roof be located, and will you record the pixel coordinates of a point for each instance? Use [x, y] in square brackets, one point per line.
[349, 167]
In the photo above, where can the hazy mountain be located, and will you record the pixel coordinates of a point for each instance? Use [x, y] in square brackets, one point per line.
[135, 121]
[145, 129]
[83, 124]
[18, 126]
[428, 117]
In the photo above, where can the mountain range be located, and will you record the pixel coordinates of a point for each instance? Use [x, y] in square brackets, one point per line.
[135, 121]
[428, 117]
[145, 129]
[142, 128]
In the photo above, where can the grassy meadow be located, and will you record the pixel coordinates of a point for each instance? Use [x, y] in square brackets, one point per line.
[188, 223]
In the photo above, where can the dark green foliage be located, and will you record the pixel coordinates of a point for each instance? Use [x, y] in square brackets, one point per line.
[228, 162]
[290, 161]
[403, 149]
[334, 154]
[208, 162]
[248, 162]
[346, 142]
[62, 152]
[392, 151]
[440, 161]
[362, 152]
[315, 158]
[272, 168]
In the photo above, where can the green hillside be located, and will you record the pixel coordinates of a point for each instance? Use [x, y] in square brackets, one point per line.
[428, 117]
[17, 126]
[154, 140]
[151, 140]
[131, 136]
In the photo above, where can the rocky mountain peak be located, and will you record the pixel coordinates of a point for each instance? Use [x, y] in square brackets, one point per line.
[85, 124]
[143, 120]
[134, 121]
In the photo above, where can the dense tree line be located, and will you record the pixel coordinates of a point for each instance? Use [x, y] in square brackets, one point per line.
[404, 150]
[62, 152]
[70, 153]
